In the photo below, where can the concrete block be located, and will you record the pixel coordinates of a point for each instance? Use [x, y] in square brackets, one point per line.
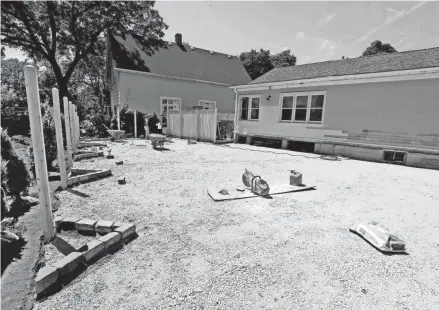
[248, 140]
[68, 223]
[94, 249]
[83, 178]
[119, 162]
[69, 264]
[47, 277]
[110, 156]
[121, 180]
[117, 225]
[111, 240]
[85, 225]
[57, 222]
[127, 231]
[63, 246]
[284, 144]
[104, 227]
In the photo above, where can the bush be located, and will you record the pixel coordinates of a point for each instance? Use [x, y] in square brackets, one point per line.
[15, 178]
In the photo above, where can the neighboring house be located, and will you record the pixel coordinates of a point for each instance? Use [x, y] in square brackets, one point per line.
[357, 107]
[173, 77]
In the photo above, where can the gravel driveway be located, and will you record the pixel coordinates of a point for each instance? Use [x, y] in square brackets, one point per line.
[291, 252]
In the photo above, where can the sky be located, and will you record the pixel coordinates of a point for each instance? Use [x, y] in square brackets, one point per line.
[313, 31]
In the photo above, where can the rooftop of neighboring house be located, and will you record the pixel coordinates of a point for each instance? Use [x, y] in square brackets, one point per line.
[409, 60]
[177, 59]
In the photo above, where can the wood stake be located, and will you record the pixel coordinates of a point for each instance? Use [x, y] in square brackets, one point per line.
[72, 127]
[33, 102]
[68, 134]
[135, 123]
[59, 138]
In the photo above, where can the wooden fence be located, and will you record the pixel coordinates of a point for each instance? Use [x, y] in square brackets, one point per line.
[196, 124]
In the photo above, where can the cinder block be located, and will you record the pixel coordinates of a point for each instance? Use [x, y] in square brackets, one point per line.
[85, 225]
[119, 162]
[69, 223]
[121, 180]
[57, 222]
[111, 240]
[248, 140]
[104, 227]
[47, 277]
[69, 264]
[118, 224]
[83, 178]
[127, 231]
[110, 156]
[63, 246]
[94, 250]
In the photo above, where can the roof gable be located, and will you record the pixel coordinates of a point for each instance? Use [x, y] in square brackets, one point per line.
[178, 60]
[419, 59]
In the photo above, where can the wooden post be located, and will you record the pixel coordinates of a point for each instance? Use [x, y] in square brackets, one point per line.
[118, 111]
[59, 138]
[68, 135]
[78, 130]
[215, 125]
[72, 127]
[135, 124]
[197, 124]
[33, 102]
[181, 123]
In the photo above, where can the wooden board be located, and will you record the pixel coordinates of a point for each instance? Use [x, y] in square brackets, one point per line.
[235, 194]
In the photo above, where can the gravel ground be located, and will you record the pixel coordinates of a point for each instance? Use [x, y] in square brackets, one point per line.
[293, 251]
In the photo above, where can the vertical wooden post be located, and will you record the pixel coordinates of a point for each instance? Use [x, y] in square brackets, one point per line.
[135, 124]
[33, 102]
[78, 129]
[72, 127]
[68, 135]
[215, 125]
[118, 110]
[197, 124]
[181, 123]
[59, 138]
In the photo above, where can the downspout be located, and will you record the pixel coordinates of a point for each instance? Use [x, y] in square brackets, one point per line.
[235, 125]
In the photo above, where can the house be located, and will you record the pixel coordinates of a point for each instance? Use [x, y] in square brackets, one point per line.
[378, 108]
[173, 77]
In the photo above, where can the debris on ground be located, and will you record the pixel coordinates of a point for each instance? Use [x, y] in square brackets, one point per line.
[223, 192]
[119, 162]
[121, 180]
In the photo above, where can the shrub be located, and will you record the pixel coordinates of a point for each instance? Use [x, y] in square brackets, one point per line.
[15, 178]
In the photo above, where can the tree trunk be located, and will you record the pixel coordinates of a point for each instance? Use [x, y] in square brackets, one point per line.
[63, 92]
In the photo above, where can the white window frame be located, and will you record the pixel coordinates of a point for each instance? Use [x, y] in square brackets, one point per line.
[209, 102]
[308, 107]
[250, 97]
[167, 110]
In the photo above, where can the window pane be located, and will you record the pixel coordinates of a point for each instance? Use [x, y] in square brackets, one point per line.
[302, 102]
[255, 102]
[317, 101]
[164, 101]
[244, 103]
[288, 102]
[254, 114]
[244, 114]
[315, 115]
[286, 114]
[300, 115]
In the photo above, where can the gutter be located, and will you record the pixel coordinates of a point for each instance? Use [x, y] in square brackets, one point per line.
[235, 125]
[417, 74]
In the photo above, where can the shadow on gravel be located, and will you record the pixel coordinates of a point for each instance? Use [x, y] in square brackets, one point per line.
[11, 251]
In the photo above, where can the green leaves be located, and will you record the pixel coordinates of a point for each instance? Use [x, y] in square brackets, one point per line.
[377, 47]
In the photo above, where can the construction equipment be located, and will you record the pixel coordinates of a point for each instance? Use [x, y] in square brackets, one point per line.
[380, 237]
[256, 183]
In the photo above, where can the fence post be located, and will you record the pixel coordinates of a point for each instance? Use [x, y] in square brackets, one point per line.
[33, 102]
[68, 135]
[181, 123]
[135, 123]
[78, 130]
[215, 125]
[72, 127]
[118, 110]
[198, 125]
[59, 138]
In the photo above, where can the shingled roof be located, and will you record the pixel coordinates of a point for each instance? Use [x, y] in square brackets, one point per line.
[418, 59]
[178, 60]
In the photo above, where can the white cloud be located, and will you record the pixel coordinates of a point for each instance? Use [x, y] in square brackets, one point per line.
[326, 19]
[393, 17]
[326, 45]
[300, 35]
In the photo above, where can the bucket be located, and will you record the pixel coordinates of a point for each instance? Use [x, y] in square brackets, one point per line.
[295, 178]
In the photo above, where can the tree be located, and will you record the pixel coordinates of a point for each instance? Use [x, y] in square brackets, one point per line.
[377, 48]
[259, 63]
[256, 63]
[73, 31]
[283, 59]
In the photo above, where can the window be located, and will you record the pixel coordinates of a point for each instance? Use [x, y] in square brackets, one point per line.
[249, 107]
[208, 105]
[171, 104]
[304, 107]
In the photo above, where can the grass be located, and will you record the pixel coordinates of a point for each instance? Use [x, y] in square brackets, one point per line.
[292, 251]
